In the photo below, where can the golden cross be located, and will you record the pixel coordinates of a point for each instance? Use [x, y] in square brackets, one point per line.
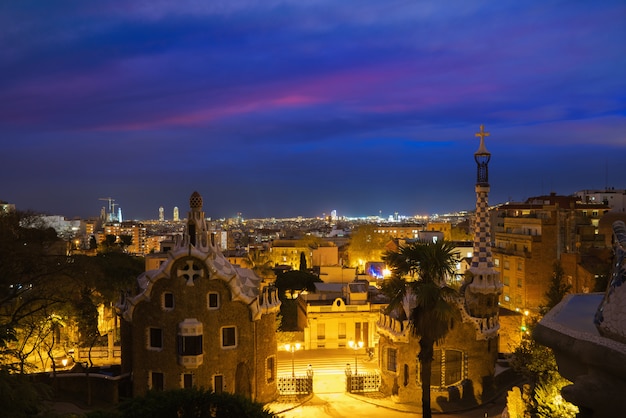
[482, 134]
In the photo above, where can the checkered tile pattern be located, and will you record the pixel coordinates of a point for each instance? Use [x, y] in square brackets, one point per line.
[481, 258]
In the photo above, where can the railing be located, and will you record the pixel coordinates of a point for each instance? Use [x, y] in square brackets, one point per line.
[99, 353]
[362, 382]
[295, 385]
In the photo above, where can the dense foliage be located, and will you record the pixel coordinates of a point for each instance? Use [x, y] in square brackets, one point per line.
[187, 403]
[43, 289]
[538, 365]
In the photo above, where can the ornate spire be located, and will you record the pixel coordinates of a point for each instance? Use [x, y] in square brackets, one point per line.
[482, 157]
[481, 294]
[482, 239]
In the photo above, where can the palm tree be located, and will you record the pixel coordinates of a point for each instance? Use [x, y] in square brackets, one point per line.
[260, 263]
[419, 272]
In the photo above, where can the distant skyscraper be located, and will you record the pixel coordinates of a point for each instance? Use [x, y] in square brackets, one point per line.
[119, 214]
[333, 215]
[176, 215]
[161, 214]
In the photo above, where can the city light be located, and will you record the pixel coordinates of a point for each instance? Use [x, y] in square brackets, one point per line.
[293, 348]
[355, 345]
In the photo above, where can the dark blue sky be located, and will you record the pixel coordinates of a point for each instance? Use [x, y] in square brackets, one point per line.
[298, 107]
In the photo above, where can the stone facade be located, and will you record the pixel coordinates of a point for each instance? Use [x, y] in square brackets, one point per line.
[197, 320]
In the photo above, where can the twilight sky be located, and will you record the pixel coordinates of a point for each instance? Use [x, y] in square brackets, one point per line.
[298, 107]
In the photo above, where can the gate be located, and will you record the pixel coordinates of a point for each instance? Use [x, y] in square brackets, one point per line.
[295, 385]
[362, 382]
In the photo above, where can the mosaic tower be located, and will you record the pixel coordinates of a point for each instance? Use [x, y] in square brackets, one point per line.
[484, 287]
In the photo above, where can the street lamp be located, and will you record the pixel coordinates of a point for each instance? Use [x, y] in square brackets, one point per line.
[293, 348]
[355, 345]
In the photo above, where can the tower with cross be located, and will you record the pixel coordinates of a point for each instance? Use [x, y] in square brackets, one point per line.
[483, 290]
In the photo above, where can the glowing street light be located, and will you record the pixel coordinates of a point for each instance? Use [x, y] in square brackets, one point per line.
[293, 348]
[355, 345]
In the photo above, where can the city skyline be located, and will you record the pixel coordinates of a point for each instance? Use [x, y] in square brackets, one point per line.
[297, 108]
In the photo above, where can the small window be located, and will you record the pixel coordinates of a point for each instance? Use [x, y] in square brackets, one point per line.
[270, 372]
[341, 331]
[519, 282]
[229, 337]
[506, 264]
[213, 300]
[156, 381]
[218, 383]
[406, 375]
[391, 359]
[321, 331]
[506, 280]
[168, 301]
[187, 381]
[155, 338]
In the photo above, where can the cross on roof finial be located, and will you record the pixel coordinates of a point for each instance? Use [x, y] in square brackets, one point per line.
[481, 147]
[482, 134]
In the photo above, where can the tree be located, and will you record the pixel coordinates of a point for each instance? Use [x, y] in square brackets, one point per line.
[366, 245]
[302, 261]
[538, 365]
[295, 281]
[419, 273]
[125, 241]
[260, 263]
[558, 288]
[33, 282]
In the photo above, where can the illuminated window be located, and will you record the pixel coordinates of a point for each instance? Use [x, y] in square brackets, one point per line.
[229, 337]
